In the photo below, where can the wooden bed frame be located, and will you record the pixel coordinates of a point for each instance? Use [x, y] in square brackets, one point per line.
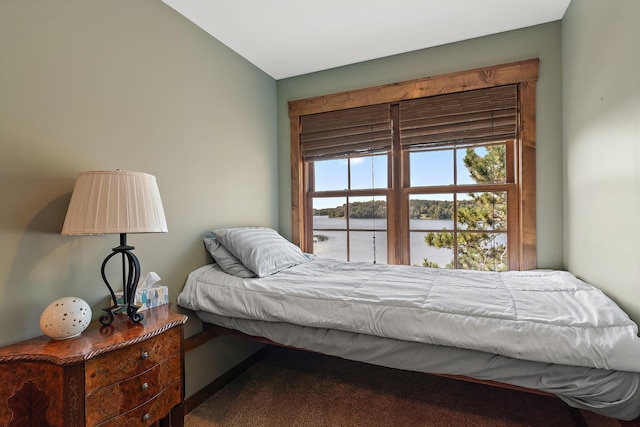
[211, 331]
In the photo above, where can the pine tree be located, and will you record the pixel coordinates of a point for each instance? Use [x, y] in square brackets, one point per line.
[478, 250]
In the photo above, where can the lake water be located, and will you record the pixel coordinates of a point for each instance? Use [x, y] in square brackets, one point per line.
[362, 243]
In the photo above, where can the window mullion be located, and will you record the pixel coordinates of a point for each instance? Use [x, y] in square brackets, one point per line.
[398, 228]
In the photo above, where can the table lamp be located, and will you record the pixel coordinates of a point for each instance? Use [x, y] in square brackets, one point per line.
[117, 202]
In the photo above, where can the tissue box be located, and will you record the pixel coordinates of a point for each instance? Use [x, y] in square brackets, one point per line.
[148, 297]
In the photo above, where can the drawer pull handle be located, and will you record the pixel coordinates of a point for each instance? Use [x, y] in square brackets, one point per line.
[145, 386]
[146, 417]
[145, 355]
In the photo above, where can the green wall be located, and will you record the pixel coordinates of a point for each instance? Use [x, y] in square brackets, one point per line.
[543, 41]
[87, 84]
[601, 59]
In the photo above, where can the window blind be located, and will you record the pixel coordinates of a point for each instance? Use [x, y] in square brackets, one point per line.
[462, 118]
[346, 133]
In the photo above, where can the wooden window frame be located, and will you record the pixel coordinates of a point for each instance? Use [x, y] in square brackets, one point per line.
[524, 74]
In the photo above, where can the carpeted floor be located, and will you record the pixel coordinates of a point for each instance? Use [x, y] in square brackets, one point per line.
[296, 388]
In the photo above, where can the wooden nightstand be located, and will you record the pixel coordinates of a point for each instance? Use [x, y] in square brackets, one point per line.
[124, 374]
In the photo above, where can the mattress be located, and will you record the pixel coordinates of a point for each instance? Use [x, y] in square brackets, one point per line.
[539, 315]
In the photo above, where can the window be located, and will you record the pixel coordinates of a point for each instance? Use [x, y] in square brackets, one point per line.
[444, 178]
[349, 208]
[345, 156]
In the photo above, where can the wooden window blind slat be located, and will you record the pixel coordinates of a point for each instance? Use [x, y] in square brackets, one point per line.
[471, 117]
[346, 133]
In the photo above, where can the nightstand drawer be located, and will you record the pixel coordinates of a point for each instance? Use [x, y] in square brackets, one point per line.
[124, 363]
[151, 411]
[109, 401]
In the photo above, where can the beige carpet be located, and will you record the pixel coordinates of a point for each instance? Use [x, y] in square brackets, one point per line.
[295, 388]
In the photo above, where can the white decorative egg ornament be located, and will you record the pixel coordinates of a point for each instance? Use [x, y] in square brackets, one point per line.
[65, 318]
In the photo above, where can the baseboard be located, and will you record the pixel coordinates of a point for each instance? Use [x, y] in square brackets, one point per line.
[207, 391]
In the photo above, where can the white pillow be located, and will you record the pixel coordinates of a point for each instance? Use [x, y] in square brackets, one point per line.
[225, 259]
[261, 250]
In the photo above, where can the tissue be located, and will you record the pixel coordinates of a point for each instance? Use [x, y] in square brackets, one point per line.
[147, 280]
[148, 293]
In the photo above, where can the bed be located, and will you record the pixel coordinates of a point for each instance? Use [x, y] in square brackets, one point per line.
[540, 330]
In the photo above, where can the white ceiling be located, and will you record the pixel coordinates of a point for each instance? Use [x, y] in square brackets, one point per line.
[286, 38]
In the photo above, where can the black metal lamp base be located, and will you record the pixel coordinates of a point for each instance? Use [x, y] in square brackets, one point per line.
[130, 277]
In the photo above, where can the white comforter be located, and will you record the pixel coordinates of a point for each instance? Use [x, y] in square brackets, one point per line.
[544, 316]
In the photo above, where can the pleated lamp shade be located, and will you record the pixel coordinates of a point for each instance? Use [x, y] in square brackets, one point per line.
[106, 202]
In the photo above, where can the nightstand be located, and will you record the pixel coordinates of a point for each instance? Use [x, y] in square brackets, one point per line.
[124, 374]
